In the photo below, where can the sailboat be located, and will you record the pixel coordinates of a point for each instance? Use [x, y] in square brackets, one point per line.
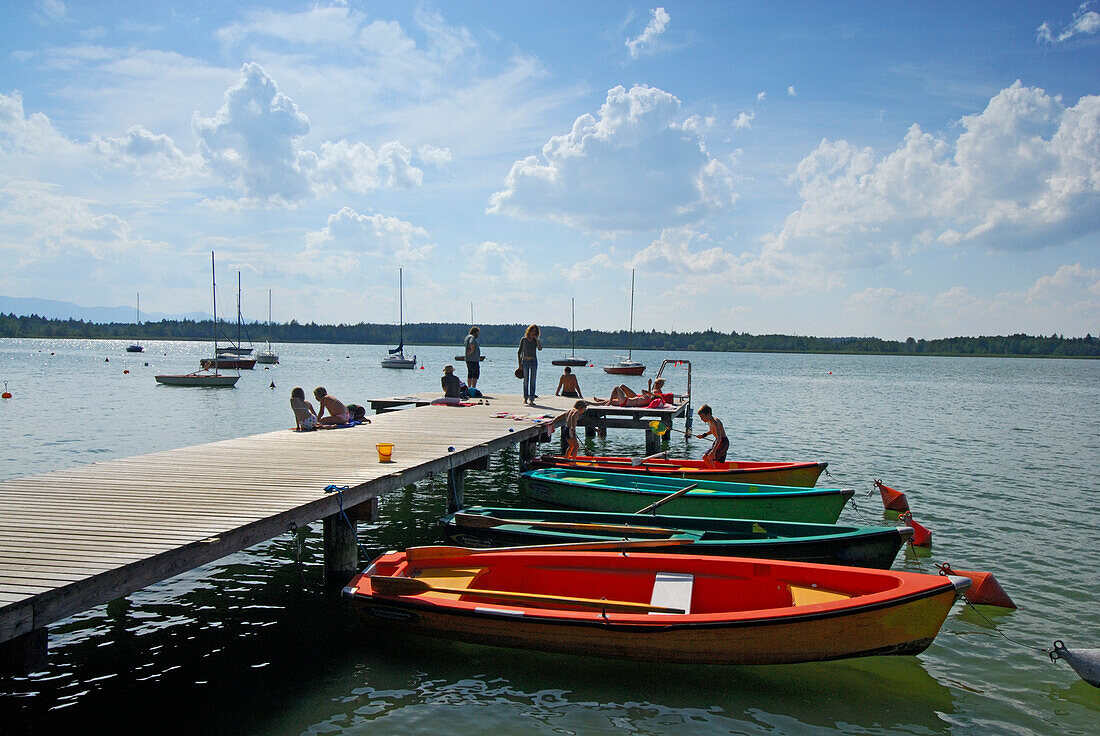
[572, 358]
[267, 355]
[626, 365]
[396, 357]
[137, 347]
[204, 378]
[234, 356]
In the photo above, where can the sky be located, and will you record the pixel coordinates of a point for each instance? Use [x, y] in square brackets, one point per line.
[878, 169]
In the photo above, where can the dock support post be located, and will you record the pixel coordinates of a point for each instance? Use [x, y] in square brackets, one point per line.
[24, 653]
[341, 552]
[652, 442]
[589, 431]
[456, 477]
[527, 451]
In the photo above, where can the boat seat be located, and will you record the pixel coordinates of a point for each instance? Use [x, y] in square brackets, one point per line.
[449, 577]
[672, 590]
[803, 596]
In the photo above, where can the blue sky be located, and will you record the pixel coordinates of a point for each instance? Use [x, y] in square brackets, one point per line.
[925, 170]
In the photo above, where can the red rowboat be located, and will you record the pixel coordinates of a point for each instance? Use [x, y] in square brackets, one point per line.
[802, 474]
[652, 606]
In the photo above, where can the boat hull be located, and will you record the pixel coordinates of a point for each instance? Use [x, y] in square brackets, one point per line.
[871, 546]
[195, 379]
[624, 370]
[799, 474]
[135, 349]
[405, 363]
[267, 358]
[876, 612]
[593, 491]
[575, 362]
[228, 363]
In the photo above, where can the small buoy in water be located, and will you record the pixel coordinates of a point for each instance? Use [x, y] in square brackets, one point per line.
[126, 371]
[147, 364]
[830, 373]
[421, 367]
[51, 352]
[892, 500]
[272, 384]
[1085, 662]
[6, 394]
[105, 360]
[984, 588]
[922, 536]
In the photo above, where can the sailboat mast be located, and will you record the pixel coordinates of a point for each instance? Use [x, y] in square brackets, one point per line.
[214, 294]
[630, 337]
[401, 310]
[238, 309]
[573, 325]
[137, 312]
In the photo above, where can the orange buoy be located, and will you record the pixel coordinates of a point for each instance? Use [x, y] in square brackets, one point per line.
[126, 371]
[984, 588]
[922, 535]
[892, 500]
[6, 394]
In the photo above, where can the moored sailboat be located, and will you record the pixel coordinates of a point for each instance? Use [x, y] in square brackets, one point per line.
[267, 355]
[212, 379]
[627, 366]
[396, 357]
[572, 358]
[136, 347]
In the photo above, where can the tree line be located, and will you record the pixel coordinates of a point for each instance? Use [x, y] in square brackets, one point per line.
[452, 333]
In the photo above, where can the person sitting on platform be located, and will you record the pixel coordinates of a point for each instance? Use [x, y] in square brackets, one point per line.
[568, 385]
[452, 387]
[305, 417]
[338, 413]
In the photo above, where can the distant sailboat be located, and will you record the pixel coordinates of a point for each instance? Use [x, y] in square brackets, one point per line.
[203, 378]
[396, 357]
[626, 365]
[572, 358]
[267, 355]
[137, 347]
[235, 356]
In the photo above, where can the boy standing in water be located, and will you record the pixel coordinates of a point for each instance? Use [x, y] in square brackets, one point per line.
[717, 451]
[571, 418]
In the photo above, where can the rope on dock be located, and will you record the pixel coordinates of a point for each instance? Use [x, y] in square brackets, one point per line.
[339, 491]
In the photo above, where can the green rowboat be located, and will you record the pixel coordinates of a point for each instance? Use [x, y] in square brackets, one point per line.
[598, 491]
[832, 544]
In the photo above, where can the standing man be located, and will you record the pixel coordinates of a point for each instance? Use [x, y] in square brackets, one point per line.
[473, 357]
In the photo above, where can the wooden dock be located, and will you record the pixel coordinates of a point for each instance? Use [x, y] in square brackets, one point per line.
[77, 538]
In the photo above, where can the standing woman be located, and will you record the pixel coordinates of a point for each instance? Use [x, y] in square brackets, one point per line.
[529, 362]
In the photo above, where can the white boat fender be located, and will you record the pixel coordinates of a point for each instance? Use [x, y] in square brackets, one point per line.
[1085, 662]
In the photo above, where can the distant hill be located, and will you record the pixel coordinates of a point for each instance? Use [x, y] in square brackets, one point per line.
[52, 309]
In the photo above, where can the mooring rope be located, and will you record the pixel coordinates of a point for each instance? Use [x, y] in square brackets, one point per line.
[339, 491]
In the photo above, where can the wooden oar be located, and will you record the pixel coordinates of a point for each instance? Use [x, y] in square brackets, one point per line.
[479, 521]
[666, 499]
[636, 462]
[416, 556]
[411, 586]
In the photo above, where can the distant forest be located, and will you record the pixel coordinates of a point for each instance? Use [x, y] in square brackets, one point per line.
[433, 333]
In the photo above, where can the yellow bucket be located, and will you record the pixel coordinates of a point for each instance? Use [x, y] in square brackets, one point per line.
[385, 451]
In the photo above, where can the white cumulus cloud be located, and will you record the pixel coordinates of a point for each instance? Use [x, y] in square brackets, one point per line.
[1024, 174]
[32, 134]
[791, 92]
[762, 95]
[1085, 23]
[744, 120]
[644, 42]
[254, 143]
[147, 154]
[372, 236]
[631, 167]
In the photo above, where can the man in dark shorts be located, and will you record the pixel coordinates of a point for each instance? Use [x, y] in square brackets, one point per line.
[473, 357]
[568, 385]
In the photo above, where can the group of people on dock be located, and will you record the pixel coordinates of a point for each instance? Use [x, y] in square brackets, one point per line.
[338, 414]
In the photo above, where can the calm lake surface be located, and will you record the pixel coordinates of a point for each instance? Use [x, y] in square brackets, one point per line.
[999, 458]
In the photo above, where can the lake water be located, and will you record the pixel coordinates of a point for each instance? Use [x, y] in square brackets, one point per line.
[999, 457]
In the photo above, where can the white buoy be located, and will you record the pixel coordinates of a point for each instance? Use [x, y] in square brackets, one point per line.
[1085, 662]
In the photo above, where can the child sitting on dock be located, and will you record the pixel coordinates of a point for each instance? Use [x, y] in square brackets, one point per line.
[717, 451]
[571, 418]
[304, 416]
[337, 413]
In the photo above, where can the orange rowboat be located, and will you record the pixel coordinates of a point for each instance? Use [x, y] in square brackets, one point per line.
[801, 474]
[652, 606]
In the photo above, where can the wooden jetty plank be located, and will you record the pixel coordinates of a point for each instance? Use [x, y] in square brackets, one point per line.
[76, 537]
